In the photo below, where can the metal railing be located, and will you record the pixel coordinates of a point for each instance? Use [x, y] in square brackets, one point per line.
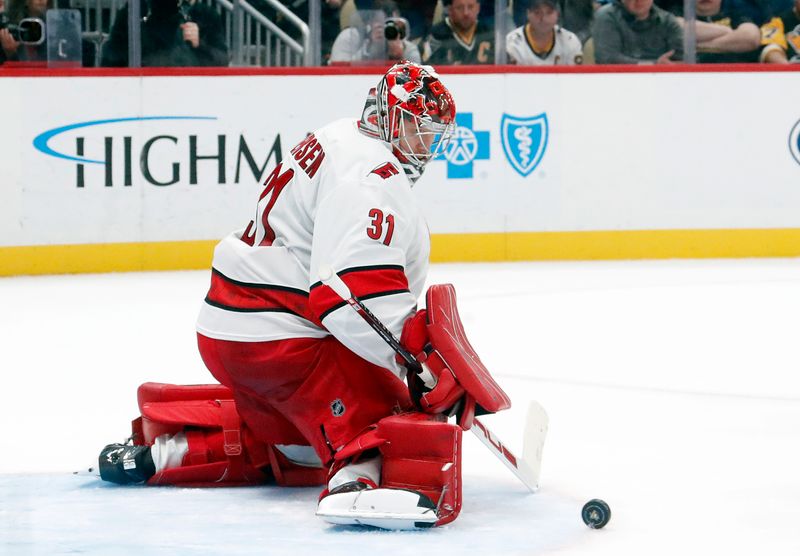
[252, 38]
[257, 41]
[97, 17]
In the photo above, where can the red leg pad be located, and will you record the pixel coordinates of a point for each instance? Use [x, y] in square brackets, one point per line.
[163, 412]
[423, 453]
[222, 451]
[159, 392]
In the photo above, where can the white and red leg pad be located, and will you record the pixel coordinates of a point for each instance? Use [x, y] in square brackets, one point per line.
[221, 450]
[420, 483]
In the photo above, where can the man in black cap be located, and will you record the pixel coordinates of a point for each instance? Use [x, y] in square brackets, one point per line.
[541, 41]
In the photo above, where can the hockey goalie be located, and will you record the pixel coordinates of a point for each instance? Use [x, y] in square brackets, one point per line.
[309, 393]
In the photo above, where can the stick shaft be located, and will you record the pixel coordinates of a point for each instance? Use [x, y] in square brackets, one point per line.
[337, 285]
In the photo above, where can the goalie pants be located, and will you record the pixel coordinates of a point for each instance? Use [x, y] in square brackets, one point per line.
[315, 388]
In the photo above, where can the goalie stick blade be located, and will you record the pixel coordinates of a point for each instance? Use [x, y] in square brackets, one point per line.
[527, 468]
[536, 425]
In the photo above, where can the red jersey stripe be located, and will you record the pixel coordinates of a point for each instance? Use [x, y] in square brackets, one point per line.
[364, 282]
[233, 295]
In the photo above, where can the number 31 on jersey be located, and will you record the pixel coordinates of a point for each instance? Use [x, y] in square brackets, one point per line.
[381, 227]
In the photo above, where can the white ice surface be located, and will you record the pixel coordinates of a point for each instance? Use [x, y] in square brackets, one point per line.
[673, 390]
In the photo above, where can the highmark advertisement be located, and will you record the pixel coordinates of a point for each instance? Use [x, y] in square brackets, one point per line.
[155, 159]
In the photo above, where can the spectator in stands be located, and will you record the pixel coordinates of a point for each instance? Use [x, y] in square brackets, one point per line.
[461, 38]
[418, 13]
[7, 42]
[17, 11]
[541, 41]
[636, 32]
[781, 37]
[577, 16]
[756, 10]
[760, 11]
[174, 33]
[382, 39]
[775, 7]
[329, 17]
[724, 33]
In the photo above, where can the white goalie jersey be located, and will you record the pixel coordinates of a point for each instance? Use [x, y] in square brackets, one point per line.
[341, 199]
[566, 49]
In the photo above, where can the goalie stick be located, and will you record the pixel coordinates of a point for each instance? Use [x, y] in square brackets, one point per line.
[528, 468]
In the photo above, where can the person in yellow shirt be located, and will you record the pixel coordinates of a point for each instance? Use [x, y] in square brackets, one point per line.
[780, 37]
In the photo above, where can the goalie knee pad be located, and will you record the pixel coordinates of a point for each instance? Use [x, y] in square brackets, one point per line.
[420, 476]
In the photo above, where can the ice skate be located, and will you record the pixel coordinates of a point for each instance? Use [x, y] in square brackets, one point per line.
[358, 503]
[125, 463]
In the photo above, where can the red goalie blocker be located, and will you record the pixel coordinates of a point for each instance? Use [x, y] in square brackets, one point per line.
[460, 373]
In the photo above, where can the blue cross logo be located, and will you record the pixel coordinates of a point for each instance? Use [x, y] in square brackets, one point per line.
[466, 146]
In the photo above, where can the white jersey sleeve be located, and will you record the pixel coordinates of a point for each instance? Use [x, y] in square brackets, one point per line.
[367, 232]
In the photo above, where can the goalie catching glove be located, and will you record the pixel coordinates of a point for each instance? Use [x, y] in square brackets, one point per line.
[451, 377]
[432, 385]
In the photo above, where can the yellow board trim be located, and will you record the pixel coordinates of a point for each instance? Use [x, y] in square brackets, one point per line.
[493, 247]
[106, 257]
[616, 245]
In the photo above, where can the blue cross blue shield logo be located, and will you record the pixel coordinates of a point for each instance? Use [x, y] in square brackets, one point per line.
[466, 146]
[524, 141]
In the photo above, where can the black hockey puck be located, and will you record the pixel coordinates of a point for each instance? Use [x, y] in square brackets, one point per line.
[596, 513]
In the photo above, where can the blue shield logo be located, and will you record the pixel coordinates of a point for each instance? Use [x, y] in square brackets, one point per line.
[794, 141]
[524, 141]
